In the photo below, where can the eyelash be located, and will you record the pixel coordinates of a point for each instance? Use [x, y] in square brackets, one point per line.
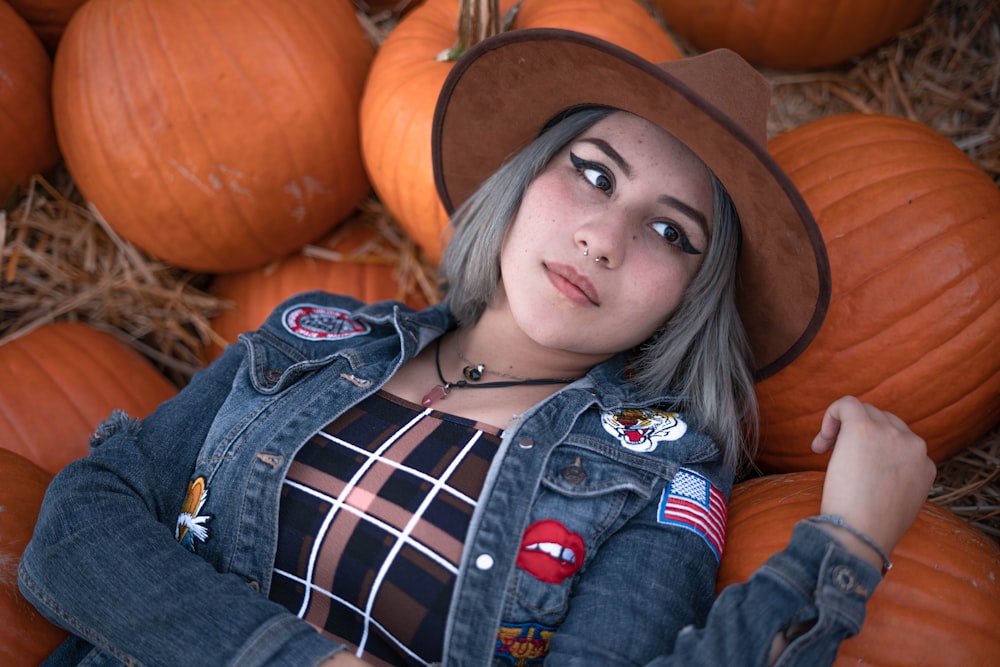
[681, 241]
[583, 166]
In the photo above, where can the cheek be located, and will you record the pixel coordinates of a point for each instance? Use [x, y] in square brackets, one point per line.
[531, 229]
[547, 200]
[659, 290]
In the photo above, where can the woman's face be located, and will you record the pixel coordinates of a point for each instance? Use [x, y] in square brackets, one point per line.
[628, 194]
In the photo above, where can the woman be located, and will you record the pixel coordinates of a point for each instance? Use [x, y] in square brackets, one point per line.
[536, 469]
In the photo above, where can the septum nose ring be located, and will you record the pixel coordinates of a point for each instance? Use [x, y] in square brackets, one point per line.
[586, 250]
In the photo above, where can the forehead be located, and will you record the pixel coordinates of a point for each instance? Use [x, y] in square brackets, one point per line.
[631, 130]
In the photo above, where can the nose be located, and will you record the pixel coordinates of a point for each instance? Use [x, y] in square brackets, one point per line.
[603, 241]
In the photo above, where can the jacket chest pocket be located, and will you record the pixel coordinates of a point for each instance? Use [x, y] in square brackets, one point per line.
[586, 495]
[275, 365]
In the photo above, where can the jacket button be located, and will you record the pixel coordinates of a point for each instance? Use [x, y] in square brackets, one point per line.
[484, 561]
[844, 579]
[526, 443]
[254, 585]
[272, 375]
[574, 472]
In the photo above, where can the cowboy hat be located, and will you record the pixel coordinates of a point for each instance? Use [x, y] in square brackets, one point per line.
[504, 90]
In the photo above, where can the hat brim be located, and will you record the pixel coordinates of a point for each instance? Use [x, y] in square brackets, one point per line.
[499, 95]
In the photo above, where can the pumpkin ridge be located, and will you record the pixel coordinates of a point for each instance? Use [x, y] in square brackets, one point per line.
[109, 345]
[27, 133]
[916, 417]
[851, 129]
[888, 191]
[941, 350]
[93, 113]
[148, 143]
[891, 333]
[16, 426]
[251, 233]
[976, 426]
[52, 391]
[933, 236]
[820, 171]
[293, 67]
[99, 345]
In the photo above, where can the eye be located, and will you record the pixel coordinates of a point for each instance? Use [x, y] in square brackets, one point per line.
[674, 235]
[594, 173]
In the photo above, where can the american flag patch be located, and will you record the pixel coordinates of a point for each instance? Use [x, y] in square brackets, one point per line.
[691, 502]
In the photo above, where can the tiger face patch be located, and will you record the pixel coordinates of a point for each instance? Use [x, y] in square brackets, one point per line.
[642, 429]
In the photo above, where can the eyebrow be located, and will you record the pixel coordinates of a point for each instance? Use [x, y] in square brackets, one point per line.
[689, 211]
[626, 168]
[614, 155]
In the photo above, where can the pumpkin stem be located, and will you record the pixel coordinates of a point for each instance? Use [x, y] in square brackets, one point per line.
[477, 20]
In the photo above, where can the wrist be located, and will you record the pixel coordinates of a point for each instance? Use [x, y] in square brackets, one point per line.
[852, 539]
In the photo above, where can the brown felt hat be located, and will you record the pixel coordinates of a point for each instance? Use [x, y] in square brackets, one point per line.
[501, 93]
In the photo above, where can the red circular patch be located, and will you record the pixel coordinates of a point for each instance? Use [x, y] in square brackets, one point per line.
[318, 323]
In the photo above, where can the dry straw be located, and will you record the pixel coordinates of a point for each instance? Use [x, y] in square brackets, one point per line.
[943, 72]
[61, 261]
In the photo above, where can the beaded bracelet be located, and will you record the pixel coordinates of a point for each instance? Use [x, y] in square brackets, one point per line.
[837, 520]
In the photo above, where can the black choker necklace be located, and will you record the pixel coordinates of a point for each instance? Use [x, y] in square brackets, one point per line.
[474, 373]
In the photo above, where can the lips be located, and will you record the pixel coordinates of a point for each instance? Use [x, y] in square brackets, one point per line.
[573, 284]
[550, 552]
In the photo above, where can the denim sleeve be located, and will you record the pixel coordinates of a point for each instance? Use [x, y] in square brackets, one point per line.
[103, 562]
[813, 580]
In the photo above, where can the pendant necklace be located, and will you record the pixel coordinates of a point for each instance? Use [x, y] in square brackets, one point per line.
[474, 373]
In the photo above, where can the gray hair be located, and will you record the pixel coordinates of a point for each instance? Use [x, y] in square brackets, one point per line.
[701, 354]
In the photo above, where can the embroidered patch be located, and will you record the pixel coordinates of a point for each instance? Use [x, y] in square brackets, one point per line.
[550, 552]
[190, 522]
[523, 644]
[642, 429]
[691, 502]
[312, 322]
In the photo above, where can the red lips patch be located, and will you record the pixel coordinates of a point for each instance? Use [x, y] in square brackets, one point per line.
[550, 552]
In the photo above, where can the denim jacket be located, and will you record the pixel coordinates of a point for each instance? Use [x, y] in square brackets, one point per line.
[593, 465]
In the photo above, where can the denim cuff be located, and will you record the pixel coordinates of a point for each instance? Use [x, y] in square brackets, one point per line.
[838, 584]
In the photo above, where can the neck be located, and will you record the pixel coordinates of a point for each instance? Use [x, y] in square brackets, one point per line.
[498, 344]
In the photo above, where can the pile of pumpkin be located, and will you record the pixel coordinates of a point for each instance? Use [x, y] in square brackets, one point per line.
[224, 136]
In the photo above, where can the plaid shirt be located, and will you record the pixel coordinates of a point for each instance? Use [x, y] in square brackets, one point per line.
[374, 513]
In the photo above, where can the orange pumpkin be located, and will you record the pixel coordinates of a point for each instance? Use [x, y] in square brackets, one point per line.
[910, 224]
[791, 33]
[355, 259]
[27, 135]
[48, 18]
[26, 638]
[397, 107]
[938, 605]
[64, 379]
[218, 136]
[392, 6]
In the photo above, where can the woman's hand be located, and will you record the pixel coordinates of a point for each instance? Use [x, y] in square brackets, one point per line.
[878, 476]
